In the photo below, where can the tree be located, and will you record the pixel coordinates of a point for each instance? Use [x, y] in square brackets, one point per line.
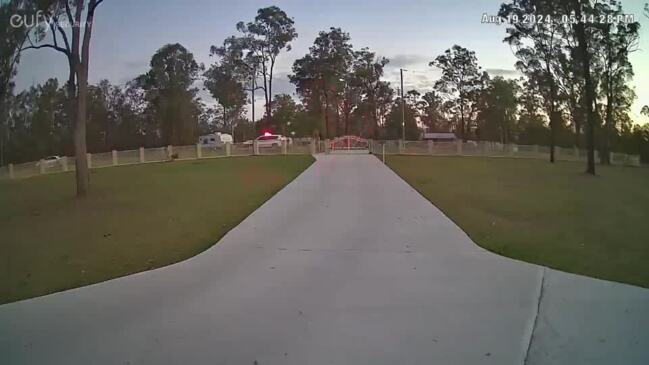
[431, 112]
[319, 76]
[367, 70]
[242, 64]
[460, 83]
[264, 38]
[75, 47]
[285, 113]
[589, 97]
[171, 95]
[537, 47]
[499, 106]
[617, 41]
[221, 81]
[12, 40]
[394, 120]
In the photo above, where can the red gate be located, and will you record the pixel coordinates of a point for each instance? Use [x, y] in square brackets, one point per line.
[348, 143]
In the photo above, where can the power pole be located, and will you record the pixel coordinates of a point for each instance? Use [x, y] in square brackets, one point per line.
[403, 110]
[252, 102]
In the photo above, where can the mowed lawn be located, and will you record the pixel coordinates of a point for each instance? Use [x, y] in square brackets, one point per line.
[553, 215]
[136, 218]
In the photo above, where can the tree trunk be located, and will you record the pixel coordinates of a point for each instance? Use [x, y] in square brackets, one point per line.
[605, 149]
[80, 149]
[589, 99]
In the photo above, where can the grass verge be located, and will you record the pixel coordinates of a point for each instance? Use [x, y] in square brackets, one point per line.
[553, 215]
[136, 218]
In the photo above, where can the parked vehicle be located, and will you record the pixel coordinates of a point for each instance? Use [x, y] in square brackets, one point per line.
[215, 139]
[50, 161]
[270, 140]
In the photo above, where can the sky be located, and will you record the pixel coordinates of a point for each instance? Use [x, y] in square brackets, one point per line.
[411, 33]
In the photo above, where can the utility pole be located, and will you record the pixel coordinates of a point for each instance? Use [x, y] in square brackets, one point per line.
[403, 110]
[252, 102]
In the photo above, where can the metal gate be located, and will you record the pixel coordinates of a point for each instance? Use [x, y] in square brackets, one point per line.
[349, 144]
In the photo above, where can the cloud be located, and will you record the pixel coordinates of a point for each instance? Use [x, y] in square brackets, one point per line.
[282, 85]
[405, 60]
[511, 73]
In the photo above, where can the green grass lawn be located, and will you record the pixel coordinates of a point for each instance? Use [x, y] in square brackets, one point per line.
[553, 215]
[136, 218]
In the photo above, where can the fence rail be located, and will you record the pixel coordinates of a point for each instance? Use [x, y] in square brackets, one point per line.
[150, 155]
[490, 149]
[303, 146]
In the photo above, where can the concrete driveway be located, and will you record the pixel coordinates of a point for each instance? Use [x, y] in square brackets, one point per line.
[346, 265]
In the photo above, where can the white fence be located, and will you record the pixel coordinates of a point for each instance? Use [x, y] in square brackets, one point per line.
[304, 146]
[149, 155]
[491, 149]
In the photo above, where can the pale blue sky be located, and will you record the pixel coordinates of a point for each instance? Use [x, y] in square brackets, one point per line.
[409, 32]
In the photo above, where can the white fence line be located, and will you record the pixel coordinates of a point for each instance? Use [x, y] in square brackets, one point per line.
[391, 147]
[490, 149]
[153, 155]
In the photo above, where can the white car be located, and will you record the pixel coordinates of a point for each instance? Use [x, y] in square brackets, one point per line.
[269, 140]
[50, 161]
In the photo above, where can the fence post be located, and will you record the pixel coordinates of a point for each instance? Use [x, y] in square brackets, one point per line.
[284, 147]
[401, 146]
[141, 154]
[228, 149]
[459, 146]
[255, 148]
[430, 147]
[64, 163]
[41, 166]
[114, 158]
[89, 159]
[326, 146]
[170, 151]
[11, 171]
[199, 150]
[312, 146]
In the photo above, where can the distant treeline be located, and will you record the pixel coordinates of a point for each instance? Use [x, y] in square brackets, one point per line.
[342, 90]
